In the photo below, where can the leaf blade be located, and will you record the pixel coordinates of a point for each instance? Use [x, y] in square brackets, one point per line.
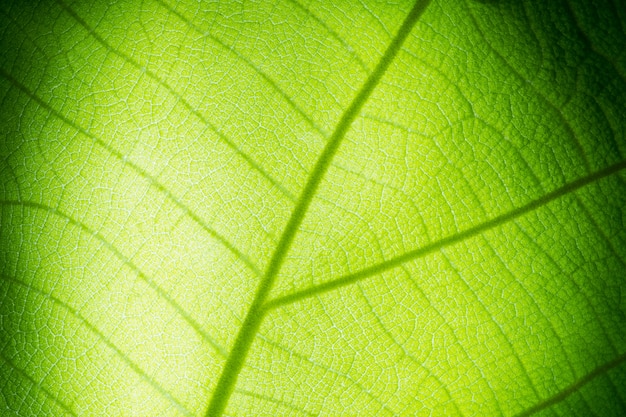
[114, 114]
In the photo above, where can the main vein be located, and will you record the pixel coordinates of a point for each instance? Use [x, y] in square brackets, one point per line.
[254, 317]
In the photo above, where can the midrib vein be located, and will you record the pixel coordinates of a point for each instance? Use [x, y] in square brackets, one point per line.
[257, 310]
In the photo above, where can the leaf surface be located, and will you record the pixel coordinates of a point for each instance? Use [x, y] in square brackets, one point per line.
[290, 208]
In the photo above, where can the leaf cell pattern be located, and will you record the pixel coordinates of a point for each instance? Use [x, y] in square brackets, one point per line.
[310, 208]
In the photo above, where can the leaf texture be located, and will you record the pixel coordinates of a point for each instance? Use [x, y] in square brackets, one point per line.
[313, 208]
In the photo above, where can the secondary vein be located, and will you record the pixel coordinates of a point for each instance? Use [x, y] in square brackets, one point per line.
[143, 173]
[254, 317]
[447, 241]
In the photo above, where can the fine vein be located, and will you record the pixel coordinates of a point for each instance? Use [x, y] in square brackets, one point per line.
[254, 317]
[105, 340]
[127, 58]
[163, 295]
[37, 386]
[272, 83]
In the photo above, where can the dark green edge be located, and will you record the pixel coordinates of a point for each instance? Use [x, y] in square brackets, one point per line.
[571, 389]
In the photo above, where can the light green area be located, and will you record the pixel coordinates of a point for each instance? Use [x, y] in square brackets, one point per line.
[312, 208]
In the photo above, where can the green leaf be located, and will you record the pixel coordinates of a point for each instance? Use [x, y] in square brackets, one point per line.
[313, 208]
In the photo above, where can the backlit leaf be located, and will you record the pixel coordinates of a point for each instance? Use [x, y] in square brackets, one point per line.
[303, 208]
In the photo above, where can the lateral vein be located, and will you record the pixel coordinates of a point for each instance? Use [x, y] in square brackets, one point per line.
[447, 241]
